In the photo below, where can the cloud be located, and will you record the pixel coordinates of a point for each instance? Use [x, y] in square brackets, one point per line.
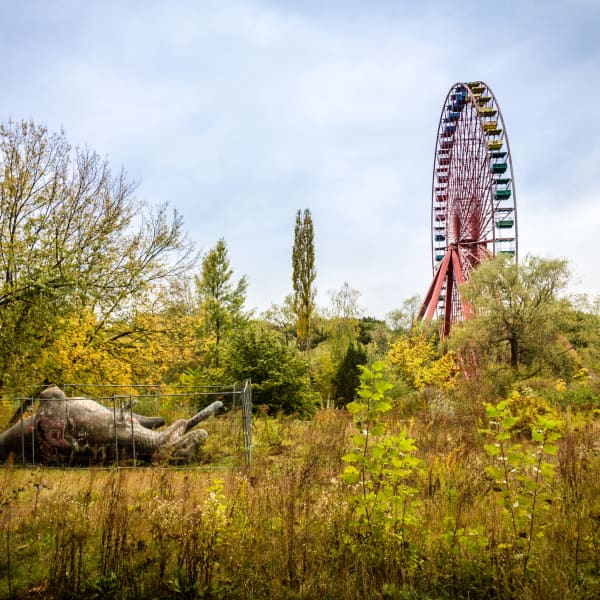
[570, 232]
[241, 113]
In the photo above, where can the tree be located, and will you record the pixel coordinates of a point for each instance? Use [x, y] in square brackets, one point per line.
[72, 238]
[278, 372]
[418, 362]
[401, 320]
[343, 324]
[180, 321]
[519, 316]
[303, 276]
[322, 373]
[281, 317]
[347, 377]
[338, 332]
[154, 344]
[375, 337]
[221, 302]
[79, 353]
[583, 333]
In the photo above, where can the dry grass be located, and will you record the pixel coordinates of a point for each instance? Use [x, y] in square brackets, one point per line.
[285, 528]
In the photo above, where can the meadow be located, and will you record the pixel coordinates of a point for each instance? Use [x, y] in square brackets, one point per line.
[426, 500]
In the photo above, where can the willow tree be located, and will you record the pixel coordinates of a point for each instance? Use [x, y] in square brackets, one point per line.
[344, 313]
[520, 315]
[303, 276]
[72, 238]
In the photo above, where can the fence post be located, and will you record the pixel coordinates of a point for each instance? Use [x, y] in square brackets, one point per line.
[233, 399]
[114, 400]
[22, 435]
[33, 426]
[247, 420]
[132, 435]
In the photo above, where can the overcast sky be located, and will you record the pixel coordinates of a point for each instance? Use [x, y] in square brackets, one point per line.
[240, 113]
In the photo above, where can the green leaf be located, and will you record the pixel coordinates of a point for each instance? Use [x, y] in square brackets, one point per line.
[377, 452]
[509, 422]
[378, 366]
[383, 407]
[356, 407]
[494, 472]
[350, 475]
[351, 457]
[378, 429]
[492, 449]
[382, 386]
[406, 445]
[537, 435]
[491, 411]
[501, 406]
[548, 471]
[550, 449]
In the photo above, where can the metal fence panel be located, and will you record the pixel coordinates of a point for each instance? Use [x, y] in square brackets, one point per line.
[102, 427]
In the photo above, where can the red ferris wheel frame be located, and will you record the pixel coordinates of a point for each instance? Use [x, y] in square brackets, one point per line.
[473, 207]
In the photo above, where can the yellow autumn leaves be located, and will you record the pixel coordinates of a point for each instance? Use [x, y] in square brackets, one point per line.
[417, 361]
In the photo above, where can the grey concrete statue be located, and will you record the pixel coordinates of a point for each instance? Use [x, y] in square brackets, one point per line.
[82, 431]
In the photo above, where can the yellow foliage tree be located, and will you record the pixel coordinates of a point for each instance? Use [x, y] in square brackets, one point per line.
[416, 359]
[77, 356]
[143, 350]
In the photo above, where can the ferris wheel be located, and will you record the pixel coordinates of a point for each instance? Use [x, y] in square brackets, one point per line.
[473, 206]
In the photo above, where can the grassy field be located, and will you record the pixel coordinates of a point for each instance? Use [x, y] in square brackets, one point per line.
[474, 513]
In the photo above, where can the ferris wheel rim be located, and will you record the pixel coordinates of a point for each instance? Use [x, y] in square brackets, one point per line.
[512, 172]
[493, 234]
[467, 87]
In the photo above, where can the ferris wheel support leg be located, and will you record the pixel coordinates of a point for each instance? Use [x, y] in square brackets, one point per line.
[466, 307]
[433, 294]
[449, 294]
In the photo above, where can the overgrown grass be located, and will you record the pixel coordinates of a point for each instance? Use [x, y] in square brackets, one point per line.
[288, 528]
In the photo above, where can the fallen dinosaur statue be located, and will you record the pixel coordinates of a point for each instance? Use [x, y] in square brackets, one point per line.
[82, 431]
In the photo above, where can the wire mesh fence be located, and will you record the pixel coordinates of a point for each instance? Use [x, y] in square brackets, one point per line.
[115, 425]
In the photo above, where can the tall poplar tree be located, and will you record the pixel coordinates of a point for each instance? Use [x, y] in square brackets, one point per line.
[303, 277]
